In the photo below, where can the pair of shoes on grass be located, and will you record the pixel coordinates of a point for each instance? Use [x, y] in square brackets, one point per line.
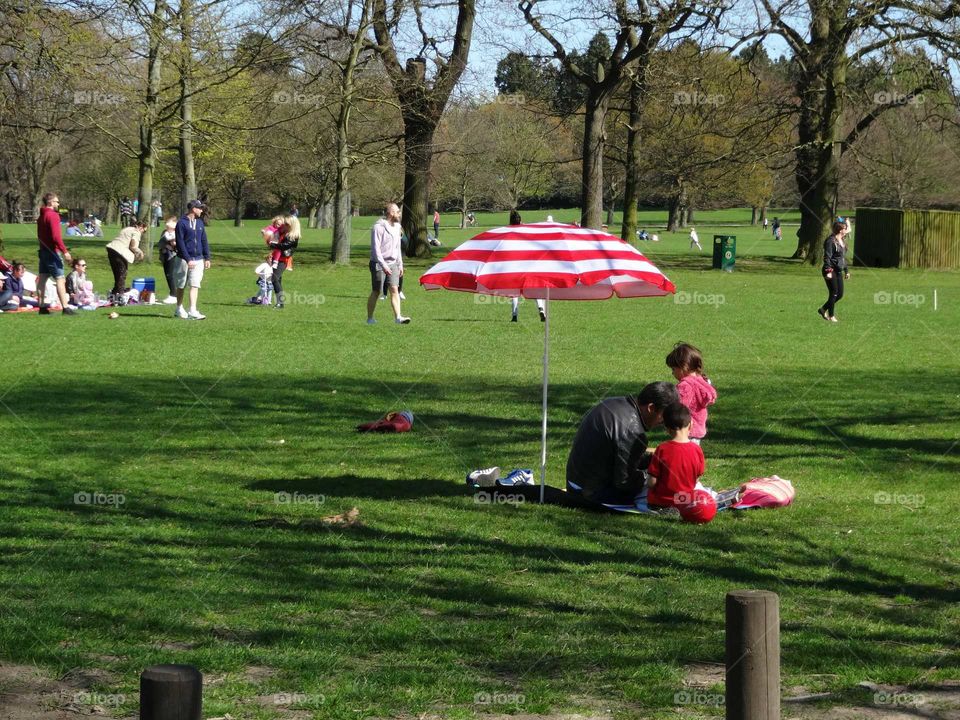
[490, 477]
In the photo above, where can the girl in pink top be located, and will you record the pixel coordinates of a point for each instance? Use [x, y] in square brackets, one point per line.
[271, 236]
[694, 388]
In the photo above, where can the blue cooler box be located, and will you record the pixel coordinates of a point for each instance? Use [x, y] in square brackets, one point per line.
[142, 284]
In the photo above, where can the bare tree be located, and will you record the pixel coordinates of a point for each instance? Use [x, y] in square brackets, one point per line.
[638, 31]
[423, 96]
[825, 39]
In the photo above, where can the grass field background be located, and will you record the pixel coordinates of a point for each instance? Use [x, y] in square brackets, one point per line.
[229, 439]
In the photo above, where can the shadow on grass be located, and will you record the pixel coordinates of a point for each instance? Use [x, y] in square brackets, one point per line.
[426, 566]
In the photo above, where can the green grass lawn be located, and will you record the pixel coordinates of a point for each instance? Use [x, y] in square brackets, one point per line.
[433, 602]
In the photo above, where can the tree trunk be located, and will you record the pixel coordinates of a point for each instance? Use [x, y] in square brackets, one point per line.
[340, 249]
[631, 190]
[342, 227]
[689, 214]
[147, 155]
[763, 214]
[417, 154]
[754, 215]
[821, 90]
[594, 142]
[238, 207]
[188, 176]
[673, 214]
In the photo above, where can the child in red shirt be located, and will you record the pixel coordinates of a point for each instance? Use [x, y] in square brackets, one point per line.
[676, 464]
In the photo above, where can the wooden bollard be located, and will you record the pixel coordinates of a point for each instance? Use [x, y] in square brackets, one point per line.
[171, 692]
[753, 655]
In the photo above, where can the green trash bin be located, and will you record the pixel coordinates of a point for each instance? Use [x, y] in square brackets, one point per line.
[724, 252]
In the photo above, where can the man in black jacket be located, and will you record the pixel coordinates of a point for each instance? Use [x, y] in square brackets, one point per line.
[610, 448]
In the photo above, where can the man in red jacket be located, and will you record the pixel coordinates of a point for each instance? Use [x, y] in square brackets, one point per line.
[50, 251]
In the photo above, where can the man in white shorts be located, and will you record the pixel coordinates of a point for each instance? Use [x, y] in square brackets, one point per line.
[193, 254]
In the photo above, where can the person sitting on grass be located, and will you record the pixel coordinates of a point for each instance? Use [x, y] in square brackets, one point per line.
[609, 451]
[676, 464]
[79, 289]
[11, 288]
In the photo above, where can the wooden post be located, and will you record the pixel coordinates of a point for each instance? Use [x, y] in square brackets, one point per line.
[753, 655]
[171, 692]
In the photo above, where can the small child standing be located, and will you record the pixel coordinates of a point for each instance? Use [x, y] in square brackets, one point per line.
[264, 273]
[676, 464]
[694, 388]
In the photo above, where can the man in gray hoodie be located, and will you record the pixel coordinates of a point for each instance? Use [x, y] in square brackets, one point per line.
[386, 263]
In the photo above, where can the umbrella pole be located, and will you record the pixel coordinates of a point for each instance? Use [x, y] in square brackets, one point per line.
[546, 372]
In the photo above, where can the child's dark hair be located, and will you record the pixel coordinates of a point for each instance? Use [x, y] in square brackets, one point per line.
[676, 416]
[686, 358]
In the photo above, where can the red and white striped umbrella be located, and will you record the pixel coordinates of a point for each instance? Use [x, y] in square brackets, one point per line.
[549, 261]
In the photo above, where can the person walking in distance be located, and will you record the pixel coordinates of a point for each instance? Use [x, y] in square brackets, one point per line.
[386, 263]
[515, 219]
[695, 240]
[436, 223]
[834, 267]
[194, 254]
[52, 252]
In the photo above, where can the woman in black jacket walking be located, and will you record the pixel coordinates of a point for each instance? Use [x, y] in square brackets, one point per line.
[834, 268]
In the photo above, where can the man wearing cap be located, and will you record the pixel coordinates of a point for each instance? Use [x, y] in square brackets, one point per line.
[194, 257]
[50, 251]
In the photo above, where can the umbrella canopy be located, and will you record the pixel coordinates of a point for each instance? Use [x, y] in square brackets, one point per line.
[549, 261]
[541, 260]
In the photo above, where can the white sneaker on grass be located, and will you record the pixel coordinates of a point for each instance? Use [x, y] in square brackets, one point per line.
[484, 478]
[180, 313]
[196, 315]
[402, 320]
[402, 296]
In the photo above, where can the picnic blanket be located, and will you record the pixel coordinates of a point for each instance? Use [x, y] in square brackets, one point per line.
[768, 492]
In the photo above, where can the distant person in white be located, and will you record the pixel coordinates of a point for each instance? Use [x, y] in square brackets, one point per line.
[386, 263]
[515, 219]
[695, 239]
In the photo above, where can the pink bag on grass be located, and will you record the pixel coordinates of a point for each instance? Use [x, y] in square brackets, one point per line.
[768, 492]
